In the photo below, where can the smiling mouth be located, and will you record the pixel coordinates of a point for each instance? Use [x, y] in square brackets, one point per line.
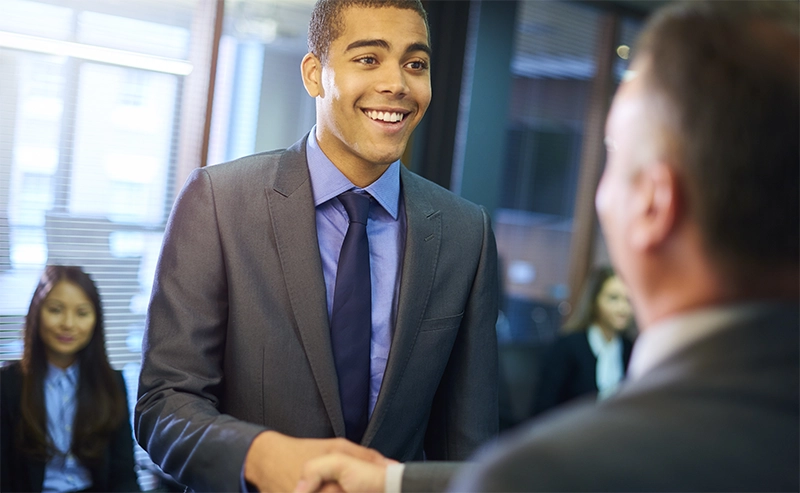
[385, 116]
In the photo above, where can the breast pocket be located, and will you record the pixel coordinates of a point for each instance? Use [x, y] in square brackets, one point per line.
[441, 323]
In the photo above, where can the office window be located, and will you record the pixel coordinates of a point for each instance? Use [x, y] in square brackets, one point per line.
[90, 98]
[260, 103]
[554, 66]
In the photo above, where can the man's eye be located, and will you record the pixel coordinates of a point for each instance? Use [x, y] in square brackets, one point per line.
[418, 65]
[367, 60]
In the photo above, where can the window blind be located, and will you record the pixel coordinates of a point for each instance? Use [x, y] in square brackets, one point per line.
[90, 99]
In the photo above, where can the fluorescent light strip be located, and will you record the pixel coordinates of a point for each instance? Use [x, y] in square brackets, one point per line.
[94, 53]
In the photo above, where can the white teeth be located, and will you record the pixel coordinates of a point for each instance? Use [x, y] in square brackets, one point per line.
[385, 116]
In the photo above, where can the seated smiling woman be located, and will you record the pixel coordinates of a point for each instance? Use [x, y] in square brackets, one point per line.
[591, 356]
[64, 413]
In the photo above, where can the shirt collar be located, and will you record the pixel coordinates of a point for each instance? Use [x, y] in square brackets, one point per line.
[328, 182]
[598, 342]
[668, 337]
[70, 374]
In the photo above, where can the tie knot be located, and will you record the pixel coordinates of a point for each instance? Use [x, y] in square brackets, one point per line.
[356, 205]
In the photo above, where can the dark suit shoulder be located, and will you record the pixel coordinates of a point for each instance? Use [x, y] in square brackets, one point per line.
[10, 365]
[540, 457]
[256, 169]
[14, 467]
[440, 197]
[584, 437]
[11, 373]
[687, 426]
[257, 160]
[11, 388]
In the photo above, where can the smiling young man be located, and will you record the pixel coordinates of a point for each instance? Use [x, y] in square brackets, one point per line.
[324, 290]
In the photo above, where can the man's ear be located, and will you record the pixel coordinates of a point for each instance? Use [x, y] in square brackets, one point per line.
[311, 71]
[657, 205]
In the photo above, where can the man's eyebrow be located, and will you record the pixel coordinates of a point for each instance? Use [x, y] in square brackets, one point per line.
[361, 43]
[419, 47]
[381, 43]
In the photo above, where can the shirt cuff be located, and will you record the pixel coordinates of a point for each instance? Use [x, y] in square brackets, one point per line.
[394, 478]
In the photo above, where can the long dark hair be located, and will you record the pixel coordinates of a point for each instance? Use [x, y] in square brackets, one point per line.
[100, 401]
[586, 312]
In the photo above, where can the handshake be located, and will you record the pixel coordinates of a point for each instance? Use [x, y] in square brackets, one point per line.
[280, 463]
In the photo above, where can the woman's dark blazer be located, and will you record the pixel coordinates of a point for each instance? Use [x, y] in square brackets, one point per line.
[18, 473]
[569, 370]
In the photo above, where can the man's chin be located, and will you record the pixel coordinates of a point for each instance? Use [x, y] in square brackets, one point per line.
[385, 153]
[385, 159]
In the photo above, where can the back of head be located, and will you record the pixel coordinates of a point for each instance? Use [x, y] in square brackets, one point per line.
[727, 76]
[326, 20]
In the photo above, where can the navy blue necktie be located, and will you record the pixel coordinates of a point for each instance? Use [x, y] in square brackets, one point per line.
[351, 317]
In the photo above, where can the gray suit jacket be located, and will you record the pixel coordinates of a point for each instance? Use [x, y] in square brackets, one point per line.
[721, 415]
[237, 337]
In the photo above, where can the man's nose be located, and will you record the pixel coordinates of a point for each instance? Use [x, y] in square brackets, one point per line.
[392, 80]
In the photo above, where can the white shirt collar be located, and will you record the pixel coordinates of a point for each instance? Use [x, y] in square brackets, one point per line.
[609, 369]
[668, 337]
[598, 341]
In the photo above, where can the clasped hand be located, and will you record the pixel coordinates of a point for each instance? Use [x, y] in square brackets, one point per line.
[280, 463]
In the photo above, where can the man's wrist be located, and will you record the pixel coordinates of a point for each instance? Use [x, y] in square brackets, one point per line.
[252, 467]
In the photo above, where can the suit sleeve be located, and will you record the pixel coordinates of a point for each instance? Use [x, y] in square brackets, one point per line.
[122, 472]
[428, 477]
[177, 420]
[464, 413]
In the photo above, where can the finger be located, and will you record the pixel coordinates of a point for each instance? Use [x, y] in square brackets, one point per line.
[311, 478]
[308, 485]
[327, 468]
[331, 488]
[304, 486]
[351, 474]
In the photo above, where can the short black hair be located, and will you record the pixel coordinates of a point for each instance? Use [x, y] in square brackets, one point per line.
[326, 20]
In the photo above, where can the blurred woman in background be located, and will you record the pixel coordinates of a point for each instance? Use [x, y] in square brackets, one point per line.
[591, 356]
[65, 420]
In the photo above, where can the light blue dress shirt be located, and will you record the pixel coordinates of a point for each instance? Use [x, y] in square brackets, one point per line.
[386, 230]
[63, 472]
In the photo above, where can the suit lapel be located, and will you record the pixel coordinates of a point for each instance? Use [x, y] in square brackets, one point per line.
[291, 206]
[423, 237]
